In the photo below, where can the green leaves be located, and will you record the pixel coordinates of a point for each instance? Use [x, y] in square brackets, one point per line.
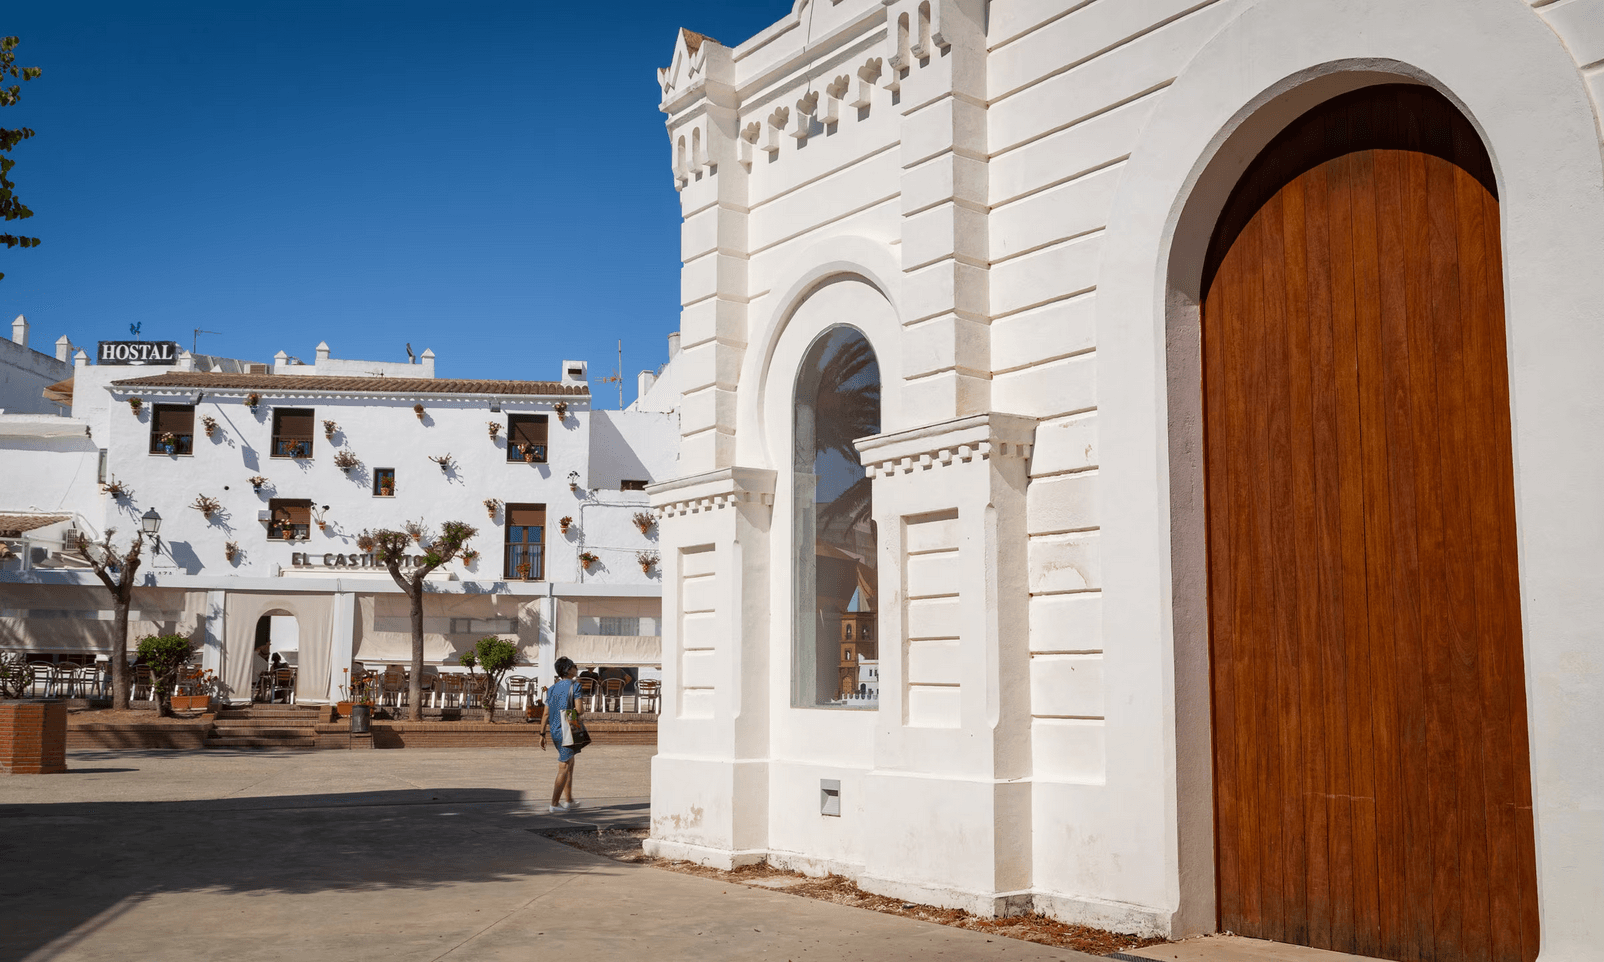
[10, 207]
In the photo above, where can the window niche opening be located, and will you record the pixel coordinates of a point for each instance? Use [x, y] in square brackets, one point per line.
[836, 653]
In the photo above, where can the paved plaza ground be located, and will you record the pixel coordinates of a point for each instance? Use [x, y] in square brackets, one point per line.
[393, 856]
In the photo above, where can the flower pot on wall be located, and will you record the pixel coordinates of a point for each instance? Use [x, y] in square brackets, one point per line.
[192, 702]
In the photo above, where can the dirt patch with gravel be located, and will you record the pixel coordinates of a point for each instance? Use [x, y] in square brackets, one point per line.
[624, 845]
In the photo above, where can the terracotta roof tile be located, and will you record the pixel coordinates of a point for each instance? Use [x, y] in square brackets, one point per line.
[693, 40]
[312, 384]
[13, 525]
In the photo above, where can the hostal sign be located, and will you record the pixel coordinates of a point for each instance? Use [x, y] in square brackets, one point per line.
[138, 352]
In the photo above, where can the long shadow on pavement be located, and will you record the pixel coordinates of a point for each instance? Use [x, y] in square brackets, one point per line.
[71, 867]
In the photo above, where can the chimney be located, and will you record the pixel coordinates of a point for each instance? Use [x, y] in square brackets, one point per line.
[19, 330]
[322, 351]
[63, 348]
[673, 345]
[644, 383]
[428, 362]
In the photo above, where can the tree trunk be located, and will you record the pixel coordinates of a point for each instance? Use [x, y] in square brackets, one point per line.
[119, 653]
[415, 683]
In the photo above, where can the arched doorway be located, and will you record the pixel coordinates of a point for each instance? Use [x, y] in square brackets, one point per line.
[1372, 783]
[276, 650]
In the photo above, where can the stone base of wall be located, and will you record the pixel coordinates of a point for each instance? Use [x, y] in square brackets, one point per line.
[33, 738]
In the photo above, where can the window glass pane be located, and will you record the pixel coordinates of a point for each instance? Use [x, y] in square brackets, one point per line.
[292, 433]
[384, 482]
[837, 580]
[526, 437]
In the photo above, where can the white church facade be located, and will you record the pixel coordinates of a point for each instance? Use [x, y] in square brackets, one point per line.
[1195, 403]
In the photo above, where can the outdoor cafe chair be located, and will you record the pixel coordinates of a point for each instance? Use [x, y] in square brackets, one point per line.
[426, 688]
[450, 689]
[92, 680]
[518, 687]
[647, 690]
[283, 682]
[587, 691]
[613, 693]
[142, 684]
[64, 680]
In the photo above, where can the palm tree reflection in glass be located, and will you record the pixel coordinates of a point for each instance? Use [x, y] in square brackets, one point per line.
[837, 402]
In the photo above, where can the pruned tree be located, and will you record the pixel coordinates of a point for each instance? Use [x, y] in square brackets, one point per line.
[10, 207]
[166, 655]
[104, 558]
[494, 657]
[390, 548]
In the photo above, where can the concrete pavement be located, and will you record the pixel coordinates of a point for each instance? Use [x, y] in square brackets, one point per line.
[394, 856]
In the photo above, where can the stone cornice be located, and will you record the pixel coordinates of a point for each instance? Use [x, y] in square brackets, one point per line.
[981, 437]
[712, 491]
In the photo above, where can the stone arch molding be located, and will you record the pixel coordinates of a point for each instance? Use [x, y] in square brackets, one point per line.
[763, 411]
[1513, 78]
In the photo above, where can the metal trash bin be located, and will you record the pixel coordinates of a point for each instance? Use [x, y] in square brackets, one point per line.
[361, 719]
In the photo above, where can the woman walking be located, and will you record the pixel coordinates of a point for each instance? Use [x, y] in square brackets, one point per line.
[560, 698]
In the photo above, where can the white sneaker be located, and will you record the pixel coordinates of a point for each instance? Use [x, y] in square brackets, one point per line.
[556, 808]
[570, 806]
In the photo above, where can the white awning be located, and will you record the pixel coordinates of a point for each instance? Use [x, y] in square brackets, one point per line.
[632, 650]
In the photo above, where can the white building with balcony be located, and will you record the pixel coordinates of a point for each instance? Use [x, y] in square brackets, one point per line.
[264, 478]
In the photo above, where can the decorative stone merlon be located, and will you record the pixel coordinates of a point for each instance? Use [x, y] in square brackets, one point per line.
[712, 491]
[981, 437]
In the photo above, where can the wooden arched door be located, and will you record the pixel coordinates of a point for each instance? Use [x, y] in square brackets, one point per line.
[1372, 785]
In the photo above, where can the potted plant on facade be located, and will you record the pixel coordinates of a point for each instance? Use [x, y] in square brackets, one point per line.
[444, 461]
[210, 424]
[252, 400]
[230, 551]
[114, 488]
[387, 487]
[491, 505]
[643, 520]
[648, 560]
[469, 557]
[573, 480]
[206, 506]
[564, 523]
[586, 559]
[416, 530]
[329, 427]
[346, 460]
[523, 570]
[135, 404]
[168, 442]
[561, 410]
[418, 410]
[258, 482]
[528, 452]
[365, 542]
[494, 428]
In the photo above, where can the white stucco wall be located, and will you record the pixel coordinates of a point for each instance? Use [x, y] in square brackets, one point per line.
[1013, 227]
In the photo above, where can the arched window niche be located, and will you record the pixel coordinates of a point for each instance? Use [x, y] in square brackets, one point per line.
[836, 637]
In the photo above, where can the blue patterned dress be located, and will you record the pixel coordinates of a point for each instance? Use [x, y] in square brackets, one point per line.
[560, 698]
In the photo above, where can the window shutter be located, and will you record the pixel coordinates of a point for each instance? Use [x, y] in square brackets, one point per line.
[291, 512]
[177, 418]
[293, 424]
[526, 515]
[526, 429]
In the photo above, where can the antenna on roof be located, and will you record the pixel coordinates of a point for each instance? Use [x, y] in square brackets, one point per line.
[196, 338]
[618, 376]
[411, 358]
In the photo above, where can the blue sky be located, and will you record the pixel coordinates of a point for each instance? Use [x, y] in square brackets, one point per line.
[490, 180]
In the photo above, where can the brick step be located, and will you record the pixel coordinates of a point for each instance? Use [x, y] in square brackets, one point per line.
[292, 722]
[230, 731]
[293, 744]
